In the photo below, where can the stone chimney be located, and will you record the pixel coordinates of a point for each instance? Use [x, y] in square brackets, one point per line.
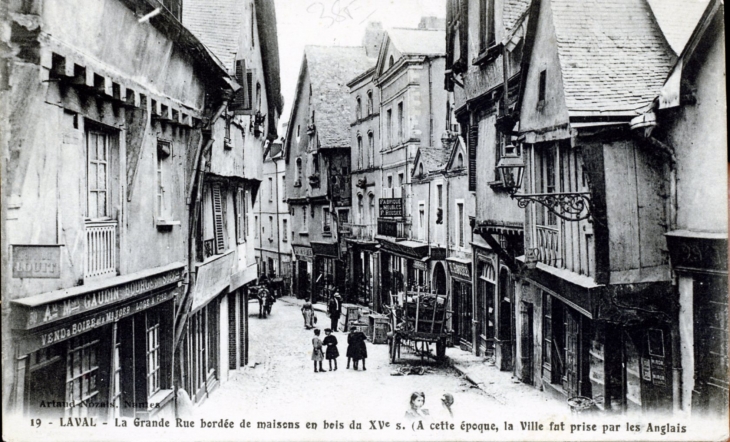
[432, 23]
[372, 38]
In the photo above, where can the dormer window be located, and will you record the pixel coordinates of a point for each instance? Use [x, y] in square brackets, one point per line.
[391, 61]
[460, 161]
[542, 84]
[420, 170]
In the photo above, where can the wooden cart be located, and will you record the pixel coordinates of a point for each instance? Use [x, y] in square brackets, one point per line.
[419, 319]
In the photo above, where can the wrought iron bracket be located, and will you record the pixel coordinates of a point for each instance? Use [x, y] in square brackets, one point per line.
[570, 206]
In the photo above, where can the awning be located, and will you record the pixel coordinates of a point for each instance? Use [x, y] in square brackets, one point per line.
[329, 249]
[406, 249]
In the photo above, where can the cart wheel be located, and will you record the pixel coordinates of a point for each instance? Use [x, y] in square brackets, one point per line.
[440, 350]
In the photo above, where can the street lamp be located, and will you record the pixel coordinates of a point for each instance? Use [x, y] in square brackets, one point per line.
[570, 206]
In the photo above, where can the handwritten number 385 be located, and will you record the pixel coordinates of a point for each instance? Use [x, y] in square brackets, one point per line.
[338, 14]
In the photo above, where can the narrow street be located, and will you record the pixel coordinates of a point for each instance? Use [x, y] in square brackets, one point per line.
[280, 372]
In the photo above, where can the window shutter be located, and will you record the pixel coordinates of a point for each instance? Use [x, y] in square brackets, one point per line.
[219, 230]
[243, 98]
[249, 91]
[463, 32]
[473, 141]
[240, 232]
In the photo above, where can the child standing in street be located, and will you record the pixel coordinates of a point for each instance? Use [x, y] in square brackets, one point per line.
[331, 343]
[317, 354]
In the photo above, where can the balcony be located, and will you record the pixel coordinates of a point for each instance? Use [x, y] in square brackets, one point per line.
[361, 232]
[548, 245]
[101, 249]
[396, 228]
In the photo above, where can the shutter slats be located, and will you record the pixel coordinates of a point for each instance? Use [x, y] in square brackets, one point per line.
[219, 231]
[473, 141]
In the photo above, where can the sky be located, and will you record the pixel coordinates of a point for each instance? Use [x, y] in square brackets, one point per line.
[337, 23]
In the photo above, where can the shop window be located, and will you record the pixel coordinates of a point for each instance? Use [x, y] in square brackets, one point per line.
[153, 353]
[82, 370]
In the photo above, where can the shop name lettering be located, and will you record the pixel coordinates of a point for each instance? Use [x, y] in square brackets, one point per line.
[93, 300]
[101, 319]
[459, 270]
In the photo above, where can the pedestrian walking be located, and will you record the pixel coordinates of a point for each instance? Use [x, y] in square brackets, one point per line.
[356, 348]
[308, 314]
[334, 309]
[317, 354]
[331, 353]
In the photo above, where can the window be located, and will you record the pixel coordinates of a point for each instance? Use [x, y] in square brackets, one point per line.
[401, 122]
[359, 152]
[545, 180]
[439, 196]
[174, 6]
[285, 235]
[370, 102]
[315, 162]
[219, 230]
[304, 219]
[371, 208]
[283, 187]
[271, 189]
[460, 223]
[420, 170]
[97, 178]
[256, 226]
[460, 161]
[298, 172]
[358, 109]
[371, 148]
[487, 36]
[541, 86]
[153, 352]
[252, 25]
[326, 227]
[298, 131]
[400, 179]
[241, 215]
[391, 61]
[271, 227]
[360, 211]
[164, 194]
[258, 96]
[389, 126]
[422, 221]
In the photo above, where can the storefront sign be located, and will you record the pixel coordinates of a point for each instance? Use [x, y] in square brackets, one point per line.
[390, 207]
[691, 251]
[460, 270]
[415, 252]
[303, 253]
[95, 320]
[37, 261]
[213, 277]
[325, 249]
[81, 299]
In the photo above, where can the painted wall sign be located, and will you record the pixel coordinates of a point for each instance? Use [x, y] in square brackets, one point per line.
[84, 302]
[37, 261]
[390, 207]
[420, 265]
[303, 252]
[460, 270]
[95, 320]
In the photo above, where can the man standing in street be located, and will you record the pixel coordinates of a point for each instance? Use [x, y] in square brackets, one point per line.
[334, 308]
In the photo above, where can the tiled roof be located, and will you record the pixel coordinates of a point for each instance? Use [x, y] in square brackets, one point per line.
[217, 25]
[512, 11]
[418, 41]
[434, 159]
[613, 56]
[677, 19]
[330, 69]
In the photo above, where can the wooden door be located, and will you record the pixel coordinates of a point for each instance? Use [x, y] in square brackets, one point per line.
[572, 338]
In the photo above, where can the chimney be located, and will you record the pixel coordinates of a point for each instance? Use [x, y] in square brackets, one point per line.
[372, 38]
[432, 23]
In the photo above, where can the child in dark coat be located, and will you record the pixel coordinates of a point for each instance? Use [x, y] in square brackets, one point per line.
[331, 343]
[356, 349]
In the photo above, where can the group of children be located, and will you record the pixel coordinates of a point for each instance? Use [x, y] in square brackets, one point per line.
[356, 349]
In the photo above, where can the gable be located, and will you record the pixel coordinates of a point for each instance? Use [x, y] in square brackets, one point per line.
[542, 56]
[387, 50]
[458, 149]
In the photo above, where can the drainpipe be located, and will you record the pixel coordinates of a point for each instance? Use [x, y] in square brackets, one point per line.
[278, 227]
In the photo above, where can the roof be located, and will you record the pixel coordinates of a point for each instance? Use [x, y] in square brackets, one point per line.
[330, 68]
[418, 41]
[434, 159]
[613, 56]
[269, 41]
[215, 24]
[677, 19]
[512, 12]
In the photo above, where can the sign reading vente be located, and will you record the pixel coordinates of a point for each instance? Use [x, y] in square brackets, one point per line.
[37, 261]
[390, 207]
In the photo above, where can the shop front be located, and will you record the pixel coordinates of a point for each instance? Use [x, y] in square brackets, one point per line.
[461, 301]
[329, 269]
[404, 266]
[302, 271]
[364, 268]
[100, 350]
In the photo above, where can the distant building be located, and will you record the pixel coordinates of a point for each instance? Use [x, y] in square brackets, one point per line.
[317, 149]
